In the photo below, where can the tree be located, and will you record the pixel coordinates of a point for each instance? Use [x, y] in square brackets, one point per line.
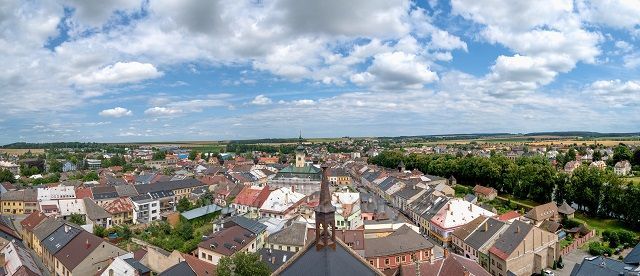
[184, 205]
[99, 231]
[159, 155]
[55, 166]
[621, 152]
[193, 154]
[77, 219]
[242, 264]
[91, 176]
[636, 157]
[184, 229]
[6, 176]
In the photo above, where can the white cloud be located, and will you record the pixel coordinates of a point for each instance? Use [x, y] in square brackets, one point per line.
[116, 112]
[616, 92]
[96, 13]
[261, 100]
[305, 102]
[121, 72]
[162, 111]
[614, 13]
[396, 70]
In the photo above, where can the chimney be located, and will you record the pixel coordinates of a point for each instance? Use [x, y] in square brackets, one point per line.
[466, 272]
[284, 258]
[87, 244]
[273, 260]
[66, 228]
[517, 229]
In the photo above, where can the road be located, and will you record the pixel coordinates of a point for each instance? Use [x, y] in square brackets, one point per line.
[570, 260]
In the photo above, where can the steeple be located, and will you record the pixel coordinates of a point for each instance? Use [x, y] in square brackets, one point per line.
[300, 155]
[325, 215]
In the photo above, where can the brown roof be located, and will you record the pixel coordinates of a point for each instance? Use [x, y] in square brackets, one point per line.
[228, 241]
[566, 209]
[84, 192]
[453, 264]
[72, 254]
[200, 267]
[484, 190]
[542, 212]
[139, 254]
[402, 240]
[32, 220]
[465, 230]
[353, 238]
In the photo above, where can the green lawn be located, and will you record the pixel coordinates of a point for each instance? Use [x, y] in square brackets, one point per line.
[635, 179]
[602, 224]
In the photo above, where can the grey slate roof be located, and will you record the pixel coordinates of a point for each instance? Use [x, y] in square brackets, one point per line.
[480, 237]
[408, 192]
[126, 190]
[46, 227]
[275, 258]
[293, 234]
[252, 225]
[94, 211]
[142, 269]
[181, 269]
[341, 261]
[169, 185]
[511, 238]
[634, 256]
[601, 266]
[59, 238]
[107, 192]
[145, 178]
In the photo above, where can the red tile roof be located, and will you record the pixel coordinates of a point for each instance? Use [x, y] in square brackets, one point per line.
[509, 216]
[84, 193]
[119, 205]
[252, 196]
[486, 191]
[32, 220]
[200, 267]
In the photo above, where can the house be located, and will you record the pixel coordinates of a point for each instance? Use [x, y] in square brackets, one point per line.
[485, 193]
[291, 238]
[459, 235]
[96, 214]
[348, 213]
[226, 243]
[68, 207]
[190, 266]
[93, 164]
[180, 188]
[449, 264]
[68, 166]
[126, 190]
[339, 176]
[42, 231]
[16, 260]
[28, 224]
[281, 203]
[104, 194]
[56, 242]
[566, 211]
[254, 226]
[601, 165]
[86, 254]
[145, 208]
[19, 202]
[121, 210]
[571, 166]
[633, 258]
[126, 265]
[522, 249]
[224, 190]
[402, 247]
[452, 215]
[475, 246]
[603, 266]
[405, 197]
[540, 213]
[622, 167]
[250, 199]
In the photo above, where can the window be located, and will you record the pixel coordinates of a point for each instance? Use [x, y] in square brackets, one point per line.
[371, 262]
[386, 261]
[404, 258]
[397, 259]
[204, 255]
[209, 257]
[500, 266]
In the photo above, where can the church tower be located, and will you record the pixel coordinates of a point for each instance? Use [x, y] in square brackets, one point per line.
[325, 215]
[300, 155]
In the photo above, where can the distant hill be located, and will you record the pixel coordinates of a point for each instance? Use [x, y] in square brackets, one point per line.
[584, 134]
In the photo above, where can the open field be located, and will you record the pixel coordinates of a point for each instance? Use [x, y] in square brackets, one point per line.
[635, 179]
[21, 151]
[602, 224]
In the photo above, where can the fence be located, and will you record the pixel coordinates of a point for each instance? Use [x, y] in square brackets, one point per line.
[577, 243]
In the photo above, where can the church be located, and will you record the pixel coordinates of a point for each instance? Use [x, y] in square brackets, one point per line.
[326, 255]
[299, 176]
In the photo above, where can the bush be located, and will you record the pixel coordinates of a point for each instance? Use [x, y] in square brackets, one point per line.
[570, 223]
[597, 249]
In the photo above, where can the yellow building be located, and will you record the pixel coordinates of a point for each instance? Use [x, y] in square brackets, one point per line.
[12, 202]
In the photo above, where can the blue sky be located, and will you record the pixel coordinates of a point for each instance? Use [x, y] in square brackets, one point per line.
[167, 70]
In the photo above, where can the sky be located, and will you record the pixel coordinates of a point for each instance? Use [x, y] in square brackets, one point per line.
[176, 70]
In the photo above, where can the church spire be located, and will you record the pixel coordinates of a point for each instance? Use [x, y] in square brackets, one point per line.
[325, 215]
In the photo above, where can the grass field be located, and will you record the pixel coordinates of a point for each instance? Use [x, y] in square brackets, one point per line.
[21, 151]
[635, 179]
[602, 224]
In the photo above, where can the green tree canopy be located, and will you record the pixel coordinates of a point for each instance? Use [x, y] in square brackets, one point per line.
[6, 176]
[242, 264]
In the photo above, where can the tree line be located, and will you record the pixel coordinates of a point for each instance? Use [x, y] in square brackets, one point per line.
[596, 192]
